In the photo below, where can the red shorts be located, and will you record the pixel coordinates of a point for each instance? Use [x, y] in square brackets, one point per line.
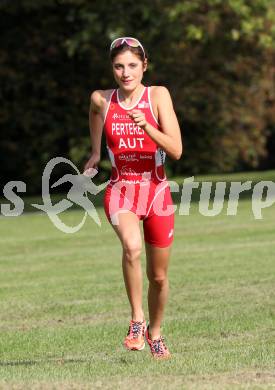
[150, 201]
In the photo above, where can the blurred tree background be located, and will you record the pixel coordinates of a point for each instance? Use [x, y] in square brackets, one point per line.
[215, 56]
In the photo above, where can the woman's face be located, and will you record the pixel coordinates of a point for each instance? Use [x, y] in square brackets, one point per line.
[128, 70]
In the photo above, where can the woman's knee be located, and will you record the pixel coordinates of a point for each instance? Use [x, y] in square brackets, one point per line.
[131, 249]
[158, 279]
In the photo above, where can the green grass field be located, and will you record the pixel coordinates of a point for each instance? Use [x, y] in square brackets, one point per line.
[64, 311]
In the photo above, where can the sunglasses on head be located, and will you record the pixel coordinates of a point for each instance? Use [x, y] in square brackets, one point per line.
[133, 42]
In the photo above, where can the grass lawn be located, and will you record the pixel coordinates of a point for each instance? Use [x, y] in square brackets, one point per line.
[64, 310]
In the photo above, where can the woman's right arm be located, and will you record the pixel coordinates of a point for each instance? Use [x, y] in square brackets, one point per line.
[96, 128]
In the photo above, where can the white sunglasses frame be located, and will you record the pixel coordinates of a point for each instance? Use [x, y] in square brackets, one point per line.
[125, 38]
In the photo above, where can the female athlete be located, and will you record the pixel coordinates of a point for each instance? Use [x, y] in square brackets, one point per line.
[141, 127]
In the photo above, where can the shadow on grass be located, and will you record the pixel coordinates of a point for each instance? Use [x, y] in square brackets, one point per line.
[18, 363]
[59, 361]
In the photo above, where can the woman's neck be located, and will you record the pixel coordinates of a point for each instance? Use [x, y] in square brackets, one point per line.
[128, 97]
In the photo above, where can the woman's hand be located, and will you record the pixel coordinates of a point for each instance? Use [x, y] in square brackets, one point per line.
[139, 118]
[91, 165]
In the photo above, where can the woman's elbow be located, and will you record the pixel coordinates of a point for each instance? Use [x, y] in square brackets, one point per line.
[175, 155]
[178, 154]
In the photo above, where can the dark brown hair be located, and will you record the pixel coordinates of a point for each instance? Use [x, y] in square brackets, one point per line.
[124, 47]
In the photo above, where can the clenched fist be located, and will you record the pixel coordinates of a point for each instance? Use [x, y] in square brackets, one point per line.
[139, 118]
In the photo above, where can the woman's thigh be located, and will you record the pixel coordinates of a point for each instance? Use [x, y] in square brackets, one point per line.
[157, 261]
[127, 229]
[158, 225]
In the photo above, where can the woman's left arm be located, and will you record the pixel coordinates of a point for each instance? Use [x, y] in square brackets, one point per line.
[169, 139]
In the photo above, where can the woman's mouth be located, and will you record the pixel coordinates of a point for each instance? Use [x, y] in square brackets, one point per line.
[126, 81]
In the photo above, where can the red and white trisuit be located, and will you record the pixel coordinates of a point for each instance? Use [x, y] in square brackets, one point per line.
[138, 181]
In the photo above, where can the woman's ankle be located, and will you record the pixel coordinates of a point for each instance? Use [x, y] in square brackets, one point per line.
[154, 333]
[138, 317]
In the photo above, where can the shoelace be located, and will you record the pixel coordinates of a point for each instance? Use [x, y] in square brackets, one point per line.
[135, 329]
[159, 346]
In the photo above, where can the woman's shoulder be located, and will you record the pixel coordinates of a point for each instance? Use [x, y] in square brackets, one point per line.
[99, 97]
[159, 91]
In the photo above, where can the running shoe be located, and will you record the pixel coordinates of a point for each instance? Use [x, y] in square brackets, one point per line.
[158, 348]
[135, 337]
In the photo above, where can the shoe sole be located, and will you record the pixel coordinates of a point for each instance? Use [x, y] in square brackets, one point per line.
[162, 357]
[135, 349]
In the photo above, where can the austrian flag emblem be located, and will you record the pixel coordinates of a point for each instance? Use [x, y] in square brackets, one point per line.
[143, 104]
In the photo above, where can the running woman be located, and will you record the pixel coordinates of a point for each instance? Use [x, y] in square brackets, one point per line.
[140, 127]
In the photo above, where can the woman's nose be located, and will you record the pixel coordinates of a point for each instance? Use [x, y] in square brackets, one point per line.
[125, 72]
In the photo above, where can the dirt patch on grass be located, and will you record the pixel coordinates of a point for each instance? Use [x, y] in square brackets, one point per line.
[227, 381]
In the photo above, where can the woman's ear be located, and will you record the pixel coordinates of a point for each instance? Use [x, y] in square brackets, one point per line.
[145, 64]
